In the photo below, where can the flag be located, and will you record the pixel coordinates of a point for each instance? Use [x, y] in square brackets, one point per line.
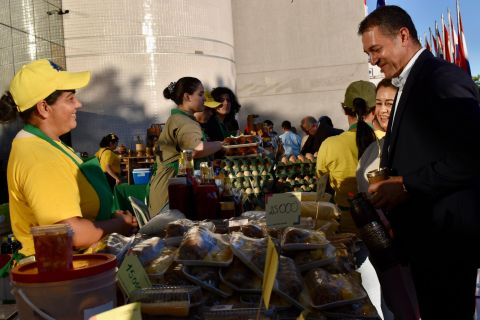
[380, 3]
[365, 7]
[439, 42]
[446, 42]
[427, 45]
[454, 38]
[269, 272]
[434, 42]
[462, 45]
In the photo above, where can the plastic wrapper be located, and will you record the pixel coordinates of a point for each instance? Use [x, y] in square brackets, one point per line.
[252, 252]
[208, 278]
[240, 278]
[288, 279]
[326, 210]
[344, 261]
[309, 259]
[157, 268]
[332, 290]
[147, 250]
[302, 239]
[157, 225]
[254, 215]
[178, 227]
[115, 244]
[167, 300]
[232, 312]
[360, 310]
[201, 246]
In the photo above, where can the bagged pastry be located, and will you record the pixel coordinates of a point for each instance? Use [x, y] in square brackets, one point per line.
[328, 290]
[201, 246]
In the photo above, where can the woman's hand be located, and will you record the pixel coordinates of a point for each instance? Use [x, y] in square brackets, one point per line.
[128, 224]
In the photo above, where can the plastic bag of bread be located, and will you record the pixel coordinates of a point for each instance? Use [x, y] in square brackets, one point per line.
[252, 252]
[330, 290]
[344, 260]
[200, 246]
[157, 225]
[178, 228]
[156, 268]
[208, 278]
[309, 259]
[289, 280]
[302, 239]
[240, 278]
[326, 210]
[148, 249]
[362, 310]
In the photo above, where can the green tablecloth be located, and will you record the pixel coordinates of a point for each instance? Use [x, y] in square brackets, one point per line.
[121, 193]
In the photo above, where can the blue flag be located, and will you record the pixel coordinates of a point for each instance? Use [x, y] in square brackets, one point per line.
[380, 3]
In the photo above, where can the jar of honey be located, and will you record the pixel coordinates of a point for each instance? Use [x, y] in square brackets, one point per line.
[53, 247]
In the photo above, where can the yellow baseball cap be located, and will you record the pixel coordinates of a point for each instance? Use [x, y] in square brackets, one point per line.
[360, 89]
[209, 101]
[37, 80]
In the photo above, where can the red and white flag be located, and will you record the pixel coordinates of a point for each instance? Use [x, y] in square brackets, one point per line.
[462, 45]
[446, 43]
[454, 38]
[438, 38]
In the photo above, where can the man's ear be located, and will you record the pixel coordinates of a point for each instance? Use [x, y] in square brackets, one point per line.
[42, 109]
[404, 35]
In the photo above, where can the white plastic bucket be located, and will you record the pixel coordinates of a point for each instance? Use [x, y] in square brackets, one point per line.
[89, 289]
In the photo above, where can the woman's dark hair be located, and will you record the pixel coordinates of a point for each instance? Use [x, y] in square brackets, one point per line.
[390, 19]
[9, 111]
[365, 134]
[385, 83]
[176, 90]
[109, 138]
[217, 94]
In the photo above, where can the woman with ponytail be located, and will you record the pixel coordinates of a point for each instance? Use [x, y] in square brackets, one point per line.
[181, 132]
[338, 156]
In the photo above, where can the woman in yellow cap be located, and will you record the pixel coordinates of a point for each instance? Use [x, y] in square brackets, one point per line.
[47, 182]
[181, 132]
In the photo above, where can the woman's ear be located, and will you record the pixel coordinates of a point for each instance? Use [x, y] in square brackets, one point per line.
[42, 109]
[186, 97]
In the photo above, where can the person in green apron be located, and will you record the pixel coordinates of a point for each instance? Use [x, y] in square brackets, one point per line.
[47, 182]
[180, 132]
[109, 160]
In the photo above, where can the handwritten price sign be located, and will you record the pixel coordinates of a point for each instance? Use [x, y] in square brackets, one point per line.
[132, 275]
[283, 210]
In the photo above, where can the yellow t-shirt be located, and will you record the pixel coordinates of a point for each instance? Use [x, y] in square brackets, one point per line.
[45, 187]
[107, 156]
[338, 157]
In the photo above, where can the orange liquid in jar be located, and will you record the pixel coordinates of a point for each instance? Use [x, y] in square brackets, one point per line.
[53, 251]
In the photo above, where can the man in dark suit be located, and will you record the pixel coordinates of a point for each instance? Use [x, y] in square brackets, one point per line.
[432, 149]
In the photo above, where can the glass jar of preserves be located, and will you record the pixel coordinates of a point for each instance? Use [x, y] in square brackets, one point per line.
[53, 247]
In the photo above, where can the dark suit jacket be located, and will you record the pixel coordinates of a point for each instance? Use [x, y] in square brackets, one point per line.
[435, 145]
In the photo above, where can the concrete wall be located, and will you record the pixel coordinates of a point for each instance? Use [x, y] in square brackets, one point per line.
[296, 58]
[134, 49]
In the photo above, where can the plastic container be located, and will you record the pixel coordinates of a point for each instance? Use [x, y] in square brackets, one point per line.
[141, 176]
[168, 300]
[87, 289]
[53, 247]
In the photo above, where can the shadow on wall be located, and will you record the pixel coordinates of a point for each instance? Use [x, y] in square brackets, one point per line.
[110, 106]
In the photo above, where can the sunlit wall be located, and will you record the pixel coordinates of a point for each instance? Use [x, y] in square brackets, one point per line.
[134, 50]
